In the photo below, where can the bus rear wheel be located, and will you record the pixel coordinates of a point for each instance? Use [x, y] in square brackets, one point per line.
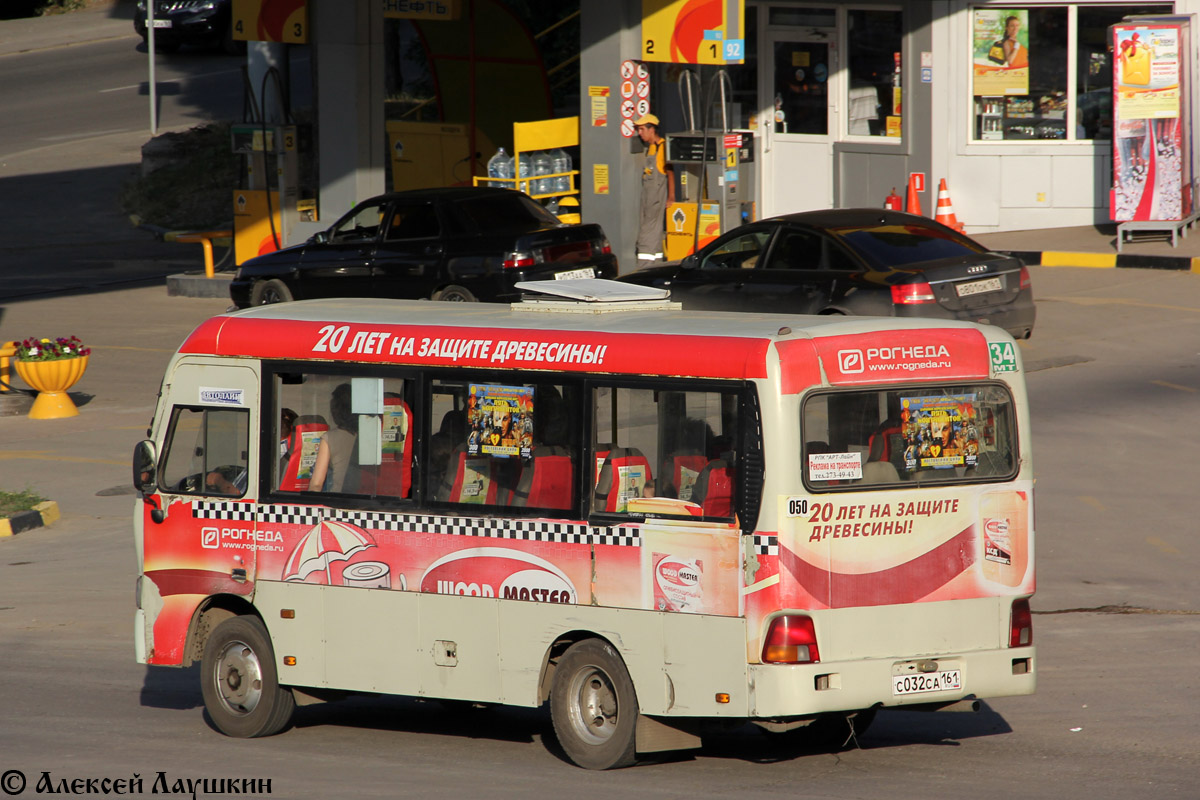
[593, 706]
[239, 683]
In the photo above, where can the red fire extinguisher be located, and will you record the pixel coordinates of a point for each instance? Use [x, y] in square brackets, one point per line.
[893, 201]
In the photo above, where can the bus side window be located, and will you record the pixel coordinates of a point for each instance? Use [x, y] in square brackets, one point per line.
[349, 433]
[665, 452]
[501, 444]
[206, 452]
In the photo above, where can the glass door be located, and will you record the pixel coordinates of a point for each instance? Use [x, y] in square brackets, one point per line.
[798, 87]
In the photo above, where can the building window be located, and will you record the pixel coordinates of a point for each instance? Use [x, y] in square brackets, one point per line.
[874, 48]
[1022, 59]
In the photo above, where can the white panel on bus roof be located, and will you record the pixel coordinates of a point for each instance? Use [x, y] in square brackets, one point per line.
[594, 290]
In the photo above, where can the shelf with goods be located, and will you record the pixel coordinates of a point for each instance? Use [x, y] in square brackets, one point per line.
[531, 139]
[1021, 118]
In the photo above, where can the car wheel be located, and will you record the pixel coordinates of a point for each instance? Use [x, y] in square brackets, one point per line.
[265, 293]
[238, 681]
[593, 706]
[454, 294]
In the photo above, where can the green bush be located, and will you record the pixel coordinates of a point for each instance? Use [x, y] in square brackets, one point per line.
[195, 190]
[16, 502]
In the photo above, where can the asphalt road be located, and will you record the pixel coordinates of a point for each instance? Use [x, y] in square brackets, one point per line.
[75, 119]
[1112, 380]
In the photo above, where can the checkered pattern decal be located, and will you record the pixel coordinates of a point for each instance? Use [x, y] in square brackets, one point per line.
[766, 545]
[532, 530]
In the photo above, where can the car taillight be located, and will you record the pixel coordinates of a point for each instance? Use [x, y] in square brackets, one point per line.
[601, 247]
[791, 640]
[520, 258]
[1025, 284]
[1021, 626]
[909, 294]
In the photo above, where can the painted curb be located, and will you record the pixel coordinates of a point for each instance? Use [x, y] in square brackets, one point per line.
[44, 513]
[1056, 258]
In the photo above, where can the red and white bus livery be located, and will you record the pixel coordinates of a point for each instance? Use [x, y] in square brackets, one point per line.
[648, 518]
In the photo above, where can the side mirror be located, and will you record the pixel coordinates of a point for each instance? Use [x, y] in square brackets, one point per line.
[321, 237]
[145, 477]
[690, 262]
[145, 467]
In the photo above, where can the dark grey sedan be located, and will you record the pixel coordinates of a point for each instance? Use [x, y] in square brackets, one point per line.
[861, 261]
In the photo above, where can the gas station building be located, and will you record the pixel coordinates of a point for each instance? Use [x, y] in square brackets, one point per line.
[808, 104]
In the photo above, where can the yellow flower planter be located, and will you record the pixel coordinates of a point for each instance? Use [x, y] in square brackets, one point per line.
[52, 379]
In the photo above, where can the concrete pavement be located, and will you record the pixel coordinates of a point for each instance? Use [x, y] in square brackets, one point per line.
[102, 19]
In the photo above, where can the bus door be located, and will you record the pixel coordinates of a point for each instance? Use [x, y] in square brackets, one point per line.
[200, 535]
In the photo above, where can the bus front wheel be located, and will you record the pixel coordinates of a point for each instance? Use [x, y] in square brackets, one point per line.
[239, 683]
[593, 706]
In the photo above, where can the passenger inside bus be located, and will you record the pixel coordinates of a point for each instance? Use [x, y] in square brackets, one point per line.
[335, 469]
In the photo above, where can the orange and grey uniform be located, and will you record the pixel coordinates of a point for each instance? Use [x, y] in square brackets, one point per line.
[654, 202]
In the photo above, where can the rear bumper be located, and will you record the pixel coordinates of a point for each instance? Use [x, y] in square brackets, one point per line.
[781, 691]
[1016, 317]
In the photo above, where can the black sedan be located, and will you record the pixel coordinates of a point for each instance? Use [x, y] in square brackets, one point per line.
[458, 244]
[860, 261]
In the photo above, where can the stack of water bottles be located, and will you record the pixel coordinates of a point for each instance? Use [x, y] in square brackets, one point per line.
[533, 164]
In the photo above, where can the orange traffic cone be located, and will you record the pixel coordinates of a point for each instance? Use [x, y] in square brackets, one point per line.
[913, 205]
[945, 211]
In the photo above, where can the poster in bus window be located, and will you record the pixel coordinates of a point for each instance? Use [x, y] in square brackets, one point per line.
[940, 432]
[1151, 166]
[395, 429]
[1000, 51]
[500, 421]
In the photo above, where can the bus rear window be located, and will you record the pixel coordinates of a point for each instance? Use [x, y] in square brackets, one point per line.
[921, 435]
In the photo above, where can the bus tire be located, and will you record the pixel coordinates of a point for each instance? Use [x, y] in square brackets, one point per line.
[265, 293]
[454, 294]
[593, 706]
[239, 683]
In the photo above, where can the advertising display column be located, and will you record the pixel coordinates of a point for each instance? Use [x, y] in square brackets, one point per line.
[1153, 179]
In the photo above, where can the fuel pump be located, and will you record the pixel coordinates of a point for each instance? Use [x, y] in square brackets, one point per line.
[718, 178]
[269, 206]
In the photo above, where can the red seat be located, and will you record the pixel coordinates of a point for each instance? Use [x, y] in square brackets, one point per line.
[714, 489]
[685, 468]
[297, 462]
[393, 475]
[624, 475]
[470, 479]
[547, 479]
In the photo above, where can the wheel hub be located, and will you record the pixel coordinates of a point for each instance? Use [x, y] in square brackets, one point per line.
[239, 678]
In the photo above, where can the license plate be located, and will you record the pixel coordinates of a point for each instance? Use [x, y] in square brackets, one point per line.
[921, 682]
[162, 23]
[586, 272]
[978, 287]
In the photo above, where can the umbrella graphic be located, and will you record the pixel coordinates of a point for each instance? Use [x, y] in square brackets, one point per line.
[326, 542]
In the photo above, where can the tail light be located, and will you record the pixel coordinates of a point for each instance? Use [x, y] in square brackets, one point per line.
[1021, 625]
[601, 247]
[911, 294]
[519, 259]
[1025, 284]
[791, 640]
